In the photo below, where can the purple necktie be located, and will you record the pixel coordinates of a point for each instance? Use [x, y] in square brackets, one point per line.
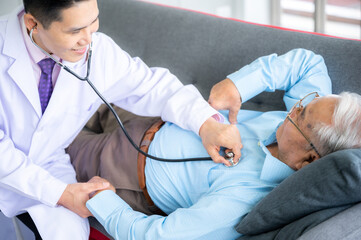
[45, 84]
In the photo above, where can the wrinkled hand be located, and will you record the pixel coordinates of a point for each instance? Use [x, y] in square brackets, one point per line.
[216, 135]
[225, 96]
[77, 194]
[97, 179]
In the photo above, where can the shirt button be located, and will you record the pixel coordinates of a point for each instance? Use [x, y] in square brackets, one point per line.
[259, 143]
[2, 135]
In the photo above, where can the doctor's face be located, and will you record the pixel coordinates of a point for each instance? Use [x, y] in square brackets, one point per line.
[70, 37]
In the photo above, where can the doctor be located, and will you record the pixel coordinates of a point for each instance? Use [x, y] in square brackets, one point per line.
[43, 108]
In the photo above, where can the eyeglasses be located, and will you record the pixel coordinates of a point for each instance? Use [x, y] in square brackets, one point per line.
[299, 106]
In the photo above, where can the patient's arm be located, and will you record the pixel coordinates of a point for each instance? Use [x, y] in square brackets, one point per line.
[204, 220]
[297, 72]
[225, 96]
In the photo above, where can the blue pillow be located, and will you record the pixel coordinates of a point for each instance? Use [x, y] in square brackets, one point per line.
[329, 182]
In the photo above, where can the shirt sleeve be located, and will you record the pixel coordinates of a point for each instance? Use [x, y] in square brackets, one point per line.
[212, 217]
[297, 72]
[22, 176]
[151, 91]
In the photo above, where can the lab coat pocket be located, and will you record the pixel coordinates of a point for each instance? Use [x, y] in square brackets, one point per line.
[76, 116]
[74, 120]
[82, 111]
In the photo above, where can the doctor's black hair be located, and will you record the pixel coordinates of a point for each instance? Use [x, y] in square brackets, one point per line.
[48, 11]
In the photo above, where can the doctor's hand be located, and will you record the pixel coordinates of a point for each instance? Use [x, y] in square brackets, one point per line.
[225, 96]
[77, 194]
[216, 135]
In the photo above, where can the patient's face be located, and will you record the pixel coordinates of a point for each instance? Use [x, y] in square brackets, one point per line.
[293, 148]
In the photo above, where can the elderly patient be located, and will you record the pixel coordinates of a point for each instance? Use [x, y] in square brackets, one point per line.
[203, 199]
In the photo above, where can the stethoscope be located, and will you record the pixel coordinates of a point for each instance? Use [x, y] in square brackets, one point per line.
[228, 156]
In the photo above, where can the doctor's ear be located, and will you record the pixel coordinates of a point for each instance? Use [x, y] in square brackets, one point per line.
[30, 22]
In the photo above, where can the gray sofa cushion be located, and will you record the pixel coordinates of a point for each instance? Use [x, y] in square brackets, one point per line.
[346, 226]
[331, 181]
[202, 49]
[296, 229]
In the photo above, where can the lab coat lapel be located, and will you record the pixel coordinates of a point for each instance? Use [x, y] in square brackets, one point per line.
[26, 82]
[65, 94]
[14, 47]
[59, 100]
[62, 117]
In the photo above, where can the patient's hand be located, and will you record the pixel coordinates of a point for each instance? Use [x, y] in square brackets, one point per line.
[225, 96]
[216, 135]
[97, 179]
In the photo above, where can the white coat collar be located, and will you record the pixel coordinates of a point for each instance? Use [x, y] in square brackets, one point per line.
[13, 44]
[15, 48]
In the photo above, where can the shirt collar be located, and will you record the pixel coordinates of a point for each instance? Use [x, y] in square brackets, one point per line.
[35, 53]
[273, 170]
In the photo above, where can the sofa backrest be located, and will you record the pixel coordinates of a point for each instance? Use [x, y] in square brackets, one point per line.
[203, 49]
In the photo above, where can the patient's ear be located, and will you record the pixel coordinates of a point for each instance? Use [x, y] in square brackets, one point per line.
[311, 158]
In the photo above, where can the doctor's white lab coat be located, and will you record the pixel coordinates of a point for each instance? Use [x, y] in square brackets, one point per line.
[34, 168]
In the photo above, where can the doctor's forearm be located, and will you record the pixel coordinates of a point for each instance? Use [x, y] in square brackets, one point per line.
[20, 174]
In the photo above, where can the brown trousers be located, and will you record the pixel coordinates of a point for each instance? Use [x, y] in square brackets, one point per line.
[102, 149]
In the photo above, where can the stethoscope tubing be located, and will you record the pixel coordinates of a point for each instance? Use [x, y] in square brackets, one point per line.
[86, 78]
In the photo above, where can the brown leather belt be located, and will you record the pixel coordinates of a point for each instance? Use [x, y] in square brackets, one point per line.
[144, 146]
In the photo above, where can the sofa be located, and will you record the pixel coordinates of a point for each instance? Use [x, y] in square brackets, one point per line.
[202, 49]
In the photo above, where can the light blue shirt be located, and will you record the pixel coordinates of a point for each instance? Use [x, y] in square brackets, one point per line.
[206, 200]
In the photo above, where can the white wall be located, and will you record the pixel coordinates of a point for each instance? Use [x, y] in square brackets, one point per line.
[7, 6]
[257, 11]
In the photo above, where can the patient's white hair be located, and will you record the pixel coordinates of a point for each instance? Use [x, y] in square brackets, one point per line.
[345, 130]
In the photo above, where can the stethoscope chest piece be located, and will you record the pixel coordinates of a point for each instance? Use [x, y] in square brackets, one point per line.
[229, 157]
